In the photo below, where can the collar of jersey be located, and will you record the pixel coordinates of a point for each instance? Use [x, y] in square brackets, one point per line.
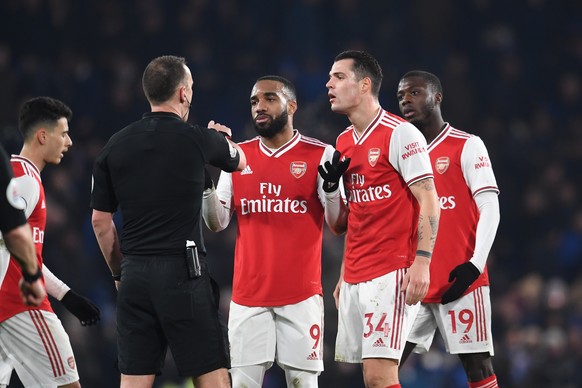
[281, 150]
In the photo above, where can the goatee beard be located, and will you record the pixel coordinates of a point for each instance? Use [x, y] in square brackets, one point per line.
[276, 126]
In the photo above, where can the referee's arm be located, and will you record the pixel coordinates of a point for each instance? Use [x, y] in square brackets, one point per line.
[108, 239]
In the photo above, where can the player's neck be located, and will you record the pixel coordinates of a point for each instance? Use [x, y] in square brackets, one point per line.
[434, 129]
[362, 117]
[279, 140]
[35, 156]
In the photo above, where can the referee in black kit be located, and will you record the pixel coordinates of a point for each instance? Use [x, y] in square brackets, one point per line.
[17, 237]
[153, 171]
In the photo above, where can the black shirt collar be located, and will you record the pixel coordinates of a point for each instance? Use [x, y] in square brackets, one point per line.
[161, 114]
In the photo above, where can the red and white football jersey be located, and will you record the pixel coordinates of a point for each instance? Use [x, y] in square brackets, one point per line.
[279, 205]
[462, 169]
[383, 220]
[33, 193]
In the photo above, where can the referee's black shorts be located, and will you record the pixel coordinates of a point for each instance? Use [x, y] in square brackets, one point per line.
[159, 306]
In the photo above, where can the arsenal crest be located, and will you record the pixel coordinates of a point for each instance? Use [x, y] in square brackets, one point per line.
[441, 164]
[71, 361]
[298, 169]
[373, 156]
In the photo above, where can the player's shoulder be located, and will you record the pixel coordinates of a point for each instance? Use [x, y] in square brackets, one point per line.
[22, 166]
[452, 136]
[311, 141]
[391, 120]
[469, 140]
[459, 134]
[345, 133]
[250, 142]
[393, 123]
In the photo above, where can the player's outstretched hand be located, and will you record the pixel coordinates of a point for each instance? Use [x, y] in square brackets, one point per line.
[331, 172]
[226, 131]
[81, 307]
[464, 275]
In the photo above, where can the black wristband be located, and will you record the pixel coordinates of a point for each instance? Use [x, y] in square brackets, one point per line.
[117, 278]
[422, 253]
[32, 278]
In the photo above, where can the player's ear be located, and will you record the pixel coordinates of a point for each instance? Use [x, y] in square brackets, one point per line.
[291, 107]
[438, 98]
[365, 85]
[41, 135]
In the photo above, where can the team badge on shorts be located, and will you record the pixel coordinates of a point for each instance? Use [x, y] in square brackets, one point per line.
[298, 169]
[373, 156]
[442, 164]
[71, 361]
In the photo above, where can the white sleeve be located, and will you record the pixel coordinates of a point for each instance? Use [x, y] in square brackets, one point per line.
[477, 168]
[28, 190]
[488, 205]
[216, 203]
[408, 153]
[54, 286]
[330, 201]
[4, 261]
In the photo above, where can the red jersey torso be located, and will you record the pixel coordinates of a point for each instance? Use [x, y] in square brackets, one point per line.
[461, 170]
[382, 226]
[280, 223]
[10, 299]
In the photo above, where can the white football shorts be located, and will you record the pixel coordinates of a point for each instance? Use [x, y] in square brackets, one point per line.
[36, 344]
[6, 368]
[292, 335]
[374, 320]
[464, 324]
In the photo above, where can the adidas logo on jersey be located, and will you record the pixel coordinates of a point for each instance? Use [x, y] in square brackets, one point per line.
[313, 356]
[465, 340]
[379, 343]
[247, 170]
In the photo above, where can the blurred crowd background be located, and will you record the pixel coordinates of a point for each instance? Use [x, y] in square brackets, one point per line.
[511, 72]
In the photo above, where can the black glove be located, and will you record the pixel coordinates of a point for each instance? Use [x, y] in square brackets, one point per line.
[332, 172]
[208, 183]
[465, 274]
[81, 307]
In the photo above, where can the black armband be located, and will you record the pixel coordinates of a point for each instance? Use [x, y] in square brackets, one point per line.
[32, 278]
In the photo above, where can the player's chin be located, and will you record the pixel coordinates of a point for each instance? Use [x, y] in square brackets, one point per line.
[263, 124]
[336, 108]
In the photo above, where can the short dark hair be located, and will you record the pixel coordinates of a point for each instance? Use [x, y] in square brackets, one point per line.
[162, 77]
[428, 78]
[41, 110]
[291, 91]
[365, 65]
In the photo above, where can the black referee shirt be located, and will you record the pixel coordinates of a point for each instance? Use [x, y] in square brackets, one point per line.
[153, 171]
